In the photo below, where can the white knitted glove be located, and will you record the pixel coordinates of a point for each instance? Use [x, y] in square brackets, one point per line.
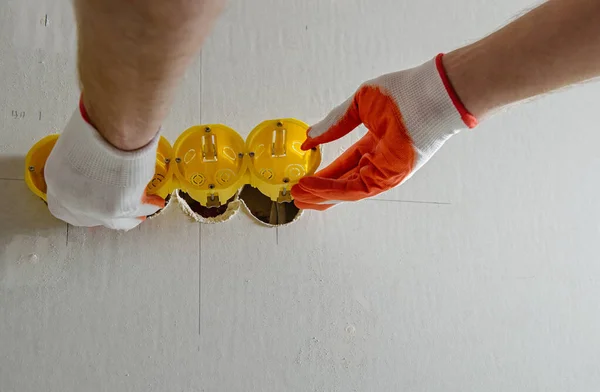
[91, 183]
[409, 115]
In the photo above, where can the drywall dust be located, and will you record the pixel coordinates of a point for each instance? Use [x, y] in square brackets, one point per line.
[31, 261]
[31, 258]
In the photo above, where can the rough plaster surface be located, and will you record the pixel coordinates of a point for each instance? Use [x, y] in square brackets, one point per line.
[492, 285]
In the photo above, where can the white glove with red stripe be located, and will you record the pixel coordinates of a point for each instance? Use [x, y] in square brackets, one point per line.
[91, 183]
[409, 115]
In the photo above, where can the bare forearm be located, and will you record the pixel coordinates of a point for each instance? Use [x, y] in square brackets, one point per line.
[554, 45]
[131, 56]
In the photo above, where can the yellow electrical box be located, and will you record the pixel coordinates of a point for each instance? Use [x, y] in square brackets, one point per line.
[276, 160]
[35, 161]
[212, 162]
[163, 183]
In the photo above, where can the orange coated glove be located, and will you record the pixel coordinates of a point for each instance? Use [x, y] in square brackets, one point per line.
[409, 115]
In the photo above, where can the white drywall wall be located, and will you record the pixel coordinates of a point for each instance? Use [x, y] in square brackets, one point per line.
[493, 286]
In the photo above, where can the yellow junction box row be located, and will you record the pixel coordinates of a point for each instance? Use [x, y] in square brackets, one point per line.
[212, 162]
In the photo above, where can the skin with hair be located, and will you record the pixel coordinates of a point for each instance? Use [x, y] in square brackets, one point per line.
[555, 45]
[132, 55]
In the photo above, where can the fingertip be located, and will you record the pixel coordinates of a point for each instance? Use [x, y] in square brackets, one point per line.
[307, 145]
[307, 197]
[299, 204]
[300, 189]
[313, 183]
[310, 206]
[296, 190]
[315, 135]
[154, 200]
[300, 195]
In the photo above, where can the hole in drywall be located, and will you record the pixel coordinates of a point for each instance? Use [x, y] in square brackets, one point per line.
[267, 211]
[207, 214]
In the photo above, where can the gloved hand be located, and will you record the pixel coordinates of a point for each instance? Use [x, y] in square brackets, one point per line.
[91, 183]
[409, 115]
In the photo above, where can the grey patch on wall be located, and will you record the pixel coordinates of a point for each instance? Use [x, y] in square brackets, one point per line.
[266, 211]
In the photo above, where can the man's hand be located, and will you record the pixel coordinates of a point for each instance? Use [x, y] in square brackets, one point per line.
[92, 183]
[409, 116]
[131, 57]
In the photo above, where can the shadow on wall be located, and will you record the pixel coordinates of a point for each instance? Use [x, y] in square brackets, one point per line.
[12, 167]
[22, 213]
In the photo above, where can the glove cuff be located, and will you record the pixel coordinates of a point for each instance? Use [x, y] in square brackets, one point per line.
[428, 111]
[90, 155]
[469, 119]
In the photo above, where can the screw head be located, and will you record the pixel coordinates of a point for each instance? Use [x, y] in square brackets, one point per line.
[251, 154]
[207, 129]
[279, 124]
[178, 160]
[211, 186]
[31, 168]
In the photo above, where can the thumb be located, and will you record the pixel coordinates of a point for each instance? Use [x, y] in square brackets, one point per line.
[339, 122]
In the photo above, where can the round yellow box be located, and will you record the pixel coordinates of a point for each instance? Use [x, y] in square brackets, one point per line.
[35, 162]
[210, 164]
[276, 160]
[162, 183]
